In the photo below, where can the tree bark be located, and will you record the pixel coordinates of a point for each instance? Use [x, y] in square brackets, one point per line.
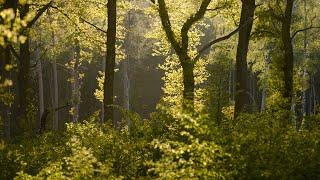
[110, 60]
[242, 99]
[305, 71]
[76, 83]
[287, 66]
[126, 66]
[40, 83]
[188, 84]
[265, 87]
[55, 88]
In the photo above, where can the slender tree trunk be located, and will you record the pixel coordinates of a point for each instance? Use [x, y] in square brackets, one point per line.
[76, 84]
[55, 88]
[230, 83]
[40, 83]
[110, 60]
[265, 87]
[126, 65]
[5, 60]
[287, 66]
[102, 104]
[126, 84]
[305, 73]
[242, 99]
[314, 96]
[23, 75]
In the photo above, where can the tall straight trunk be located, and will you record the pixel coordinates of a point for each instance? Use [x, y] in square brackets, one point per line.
[23, 75]
[76, 83]
[55, 88]
[102, 104]
[264, 94]
[242, 99]
[40, 84]
[230, 82]
[305, 72]
[110, 60]
[5, 60]
[126, 84]
[314, 96]
[287, 66]
[126, 65]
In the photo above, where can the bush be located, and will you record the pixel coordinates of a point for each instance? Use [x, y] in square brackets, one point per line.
[264, 148]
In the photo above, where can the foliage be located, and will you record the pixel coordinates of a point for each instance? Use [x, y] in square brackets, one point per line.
[188, 152]
[265, 149]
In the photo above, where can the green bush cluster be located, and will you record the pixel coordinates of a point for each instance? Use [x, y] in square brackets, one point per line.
[179, 146]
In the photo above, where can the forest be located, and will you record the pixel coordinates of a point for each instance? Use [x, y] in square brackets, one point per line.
[159, 89]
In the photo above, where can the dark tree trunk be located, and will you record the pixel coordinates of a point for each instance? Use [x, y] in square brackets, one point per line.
[5, 59]
[110, 60]
[287, 66]
[23, 73]
[188, 84]
[242, 99]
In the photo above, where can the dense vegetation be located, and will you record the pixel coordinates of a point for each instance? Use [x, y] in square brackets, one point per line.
[159, 89]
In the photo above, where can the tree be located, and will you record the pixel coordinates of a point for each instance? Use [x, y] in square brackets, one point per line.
[242, 99]
[110, 60]
[24, 58]
[180, 44]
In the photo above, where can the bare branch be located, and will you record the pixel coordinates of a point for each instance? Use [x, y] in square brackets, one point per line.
[93, 25]
[223, 38]
[305, 29]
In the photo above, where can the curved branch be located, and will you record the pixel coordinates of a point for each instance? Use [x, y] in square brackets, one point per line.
[39, 14]
[305, 29]
[93, 25]
[223, 38]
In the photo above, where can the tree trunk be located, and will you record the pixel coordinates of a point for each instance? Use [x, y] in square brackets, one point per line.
[126, 66]
[305, 73]
[76, 84]
[102, 104]
[110, 60]
[188, 84]
[5, 60]
[265, 87]
[287, 66]
[242, 99]
[126, 84]
[40, 83]
[314, 96]
[55, 88]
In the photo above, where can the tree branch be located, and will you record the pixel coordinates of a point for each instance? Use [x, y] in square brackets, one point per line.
[166, 24]
[67, 16]
[38, 15]
[305, 29]
[223, 38]
[190, 22]
[91, 24]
